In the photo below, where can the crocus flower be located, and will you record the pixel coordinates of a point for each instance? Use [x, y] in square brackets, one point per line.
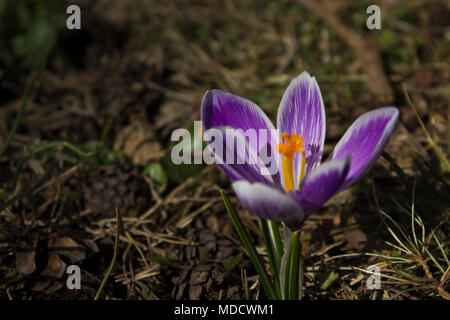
[302, 183]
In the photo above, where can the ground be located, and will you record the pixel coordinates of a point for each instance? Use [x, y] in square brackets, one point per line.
[86, 118]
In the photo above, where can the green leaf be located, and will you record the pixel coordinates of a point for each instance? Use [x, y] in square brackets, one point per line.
[97, 153]
[156, 172]
[35, 45]
[276, 239]
[250, 248]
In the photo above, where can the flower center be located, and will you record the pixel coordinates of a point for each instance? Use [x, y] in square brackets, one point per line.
[294, 144]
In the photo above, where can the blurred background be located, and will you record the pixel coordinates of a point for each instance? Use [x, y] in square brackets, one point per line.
[85, 123]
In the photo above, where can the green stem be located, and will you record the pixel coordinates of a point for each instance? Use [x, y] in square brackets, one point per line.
[276, 239]
[287, 276]
[54, 144]
[250, 248]
[293, 267]
[273, 260]
[300, 275]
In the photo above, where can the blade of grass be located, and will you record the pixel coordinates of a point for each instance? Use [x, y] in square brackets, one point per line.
[413, 227]
[250, 248]
[434, 260]
[55, 144]
[439, 153]
[400, 280]
[394, 165]
[166, 261]
[11, 201]
[22, 106]
[398, 248]
[399, 229]
[441, 248]
[114, 258]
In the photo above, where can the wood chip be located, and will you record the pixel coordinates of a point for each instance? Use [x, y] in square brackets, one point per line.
[25, 256]
[55, 267]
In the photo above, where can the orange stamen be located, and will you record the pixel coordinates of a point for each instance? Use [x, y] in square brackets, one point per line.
[294, 144]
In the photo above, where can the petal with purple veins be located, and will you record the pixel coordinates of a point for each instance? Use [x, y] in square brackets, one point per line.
[232, 152]
[302, 112]
[365, 140]
[267, 202]
[222, 109]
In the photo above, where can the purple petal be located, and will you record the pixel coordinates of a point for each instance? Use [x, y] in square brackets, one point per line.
[266, 202]
[302, 112]
[365, 140]
[238, 159]
[222, 109]
[319, 186]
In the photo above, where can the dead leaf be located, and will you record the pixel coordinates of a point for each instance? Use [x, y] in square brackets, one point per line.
[138, 141]
[67, 247]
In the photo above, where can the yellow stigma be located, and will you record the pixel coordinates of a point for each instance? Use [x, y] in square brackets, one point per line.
[294, 144]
